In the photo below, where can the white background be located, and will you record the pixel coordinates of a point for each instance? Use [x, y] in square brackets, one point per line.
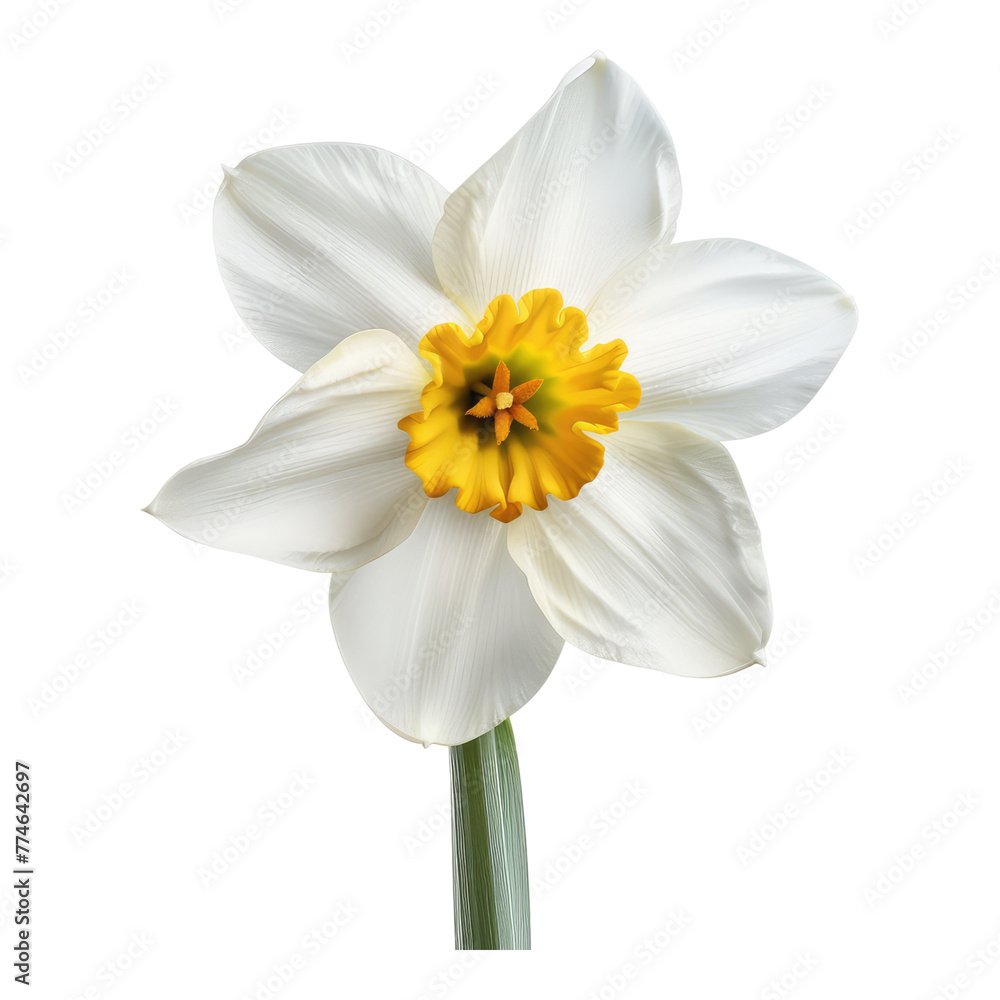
[163, 373]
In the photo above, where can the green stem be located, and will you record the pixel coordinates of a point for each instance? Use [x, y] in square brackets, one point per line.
[489, 858]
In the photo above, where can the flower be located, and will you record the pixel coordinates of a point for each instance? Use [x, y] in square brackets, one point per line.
[520, 447]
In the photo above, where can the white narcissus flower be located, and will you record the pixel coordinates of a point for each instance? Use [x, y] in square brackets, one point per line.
[520, 449]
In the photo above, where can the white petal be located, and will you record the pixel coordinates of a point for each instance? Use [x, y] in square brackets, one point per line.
[726, 337]
[321, 484]
[588, 184]
[441, 635]
[657, 562]
[316, 242]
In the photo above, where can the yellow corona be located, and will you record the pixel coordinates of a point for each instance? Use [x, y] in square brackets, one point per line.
[508, 416]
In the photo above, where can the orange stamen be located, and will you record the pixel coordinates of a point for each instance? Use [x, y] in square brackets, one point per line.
[526, 390]
[503, 404]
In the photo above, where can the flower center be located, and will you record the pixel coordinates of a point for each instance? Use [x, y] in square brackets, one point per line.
[505, 406]
[509, 415]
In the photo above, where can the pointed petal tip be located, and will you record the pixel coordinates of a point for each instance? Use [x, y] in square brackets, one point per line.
[596, 58]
